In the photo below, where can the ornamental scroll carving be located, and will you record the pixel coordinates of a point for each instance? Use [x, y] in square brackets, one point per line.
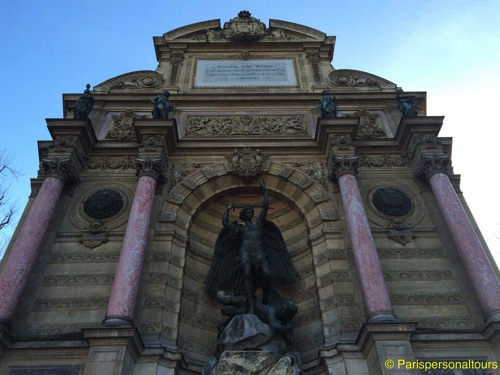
[246, 162]
[143, 79]
[123, 126]
[246, 125]
[356, 78]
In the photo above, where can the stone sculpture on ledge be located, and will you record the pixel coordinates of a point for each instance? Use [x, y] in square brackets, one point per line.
[406, 103]
[247, 257]
[84, 104]
[162, 106]
[327, 105]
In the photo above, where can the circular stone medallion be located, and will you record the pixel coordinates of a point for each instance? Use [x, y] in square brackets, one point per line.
[103, 204]
[391, 201]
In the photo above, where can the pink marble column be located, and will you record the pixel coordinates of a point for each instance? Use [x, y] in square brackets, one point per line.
[375, 295]
[22, 257]
[469, 247]
[125, 287]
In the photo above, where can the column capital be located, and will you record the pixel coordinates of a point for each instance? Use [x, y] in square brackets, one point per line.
[341, 165]
[64, 169]
[430, 164]
[151, 167]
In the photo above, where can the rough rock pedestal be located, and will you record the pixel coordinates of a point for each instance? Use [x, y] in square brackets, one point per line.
[249, 346]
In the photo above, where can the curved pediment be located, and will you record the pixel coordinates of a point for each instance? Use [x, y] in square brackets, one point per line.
[191, 31]
[297, 31]
[355, 79]
[138, 80]
[244, 28]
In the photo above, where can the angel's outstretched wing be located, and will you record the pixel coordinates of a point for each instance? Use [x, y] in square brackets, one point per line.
[224, 260]
[279, 259]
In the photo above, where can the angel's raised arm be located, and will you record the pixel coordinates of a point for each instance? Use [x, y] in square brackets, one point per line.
[265, 203]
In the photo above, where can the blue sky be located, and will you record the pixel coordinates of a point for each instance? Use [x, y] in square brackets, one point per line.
[447, 48]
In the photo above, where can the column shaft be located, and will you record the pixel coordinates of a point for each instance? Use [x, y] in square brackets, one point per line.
[22, 257]
[470, 249]
[125, 287]
[375, 294]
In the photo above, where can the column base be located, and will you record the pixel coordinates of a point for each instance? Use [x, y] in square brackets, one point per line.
[117, 321]
[493, 317]
[381, 316]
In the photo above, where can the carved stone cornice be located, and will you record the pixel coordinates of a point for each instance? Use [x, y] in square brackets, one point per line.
[64, 169]
[341, 165]
[430, 164]
[151, 167]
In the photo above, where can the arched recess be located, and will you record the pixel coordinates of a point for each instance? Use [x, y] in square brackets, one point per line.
[192, 212]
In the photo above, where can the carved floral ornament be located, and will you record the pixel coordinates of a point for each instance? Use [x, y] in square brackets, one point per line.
[338, 166]
[356, 78]
[151, 167]
[144, 79]
[431, 164]
[61, 168]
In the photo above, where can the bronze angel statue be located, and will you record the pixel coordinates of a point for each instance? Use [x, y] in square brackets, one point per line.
[249, 256]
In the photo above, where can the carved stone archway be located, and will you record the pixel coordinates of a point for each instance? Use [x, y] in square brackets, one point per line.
[191, 215]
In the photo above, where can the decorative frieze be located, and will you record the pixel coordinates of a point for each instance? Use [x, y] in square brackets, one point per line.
[410, 253]
[157, 256]
[246, 125]
[330, 254]
[106, 163]
[75, 279]
[351, 324]
[443, 323]
[75, 304]
[57, 329]
[380, 161]
[418, 275]
[164, 278]
[84, 257]
[426, 298]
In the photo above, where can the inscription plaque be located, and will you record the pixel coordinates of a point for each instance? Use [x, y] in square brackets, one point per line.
[228, 73]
